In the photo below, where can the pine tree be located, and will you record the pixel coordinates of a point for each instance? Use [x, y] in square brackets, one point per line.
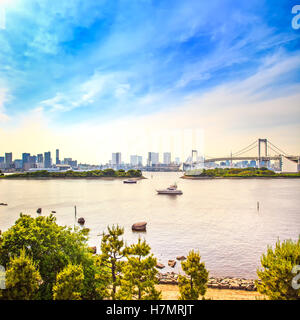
[276, 276]
[113, 250]
[139, 274]
[22, 278]
[69, 283]
[195, 283]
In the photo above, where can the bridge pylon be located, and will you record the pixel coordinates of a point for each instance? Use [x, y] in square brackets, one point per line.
[265, 142]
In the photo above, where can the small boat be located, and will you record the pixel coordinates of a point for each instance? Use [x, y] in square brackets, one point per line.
[129, 181]
[3, 204]
[171, 190]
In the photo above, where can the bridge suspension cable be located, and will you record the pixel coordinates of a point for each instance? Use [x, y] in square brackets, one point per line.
[276, 152]
[247, 150]
[269, 142]
[244, 150]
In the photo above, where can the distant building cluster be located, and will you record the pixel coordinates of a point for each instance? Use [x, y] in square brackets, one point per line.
[152, 163]
[41, 161]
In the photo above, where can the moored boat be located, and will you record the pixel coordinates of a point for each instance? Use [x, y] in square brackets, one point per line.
[129, 181]
[170, 190]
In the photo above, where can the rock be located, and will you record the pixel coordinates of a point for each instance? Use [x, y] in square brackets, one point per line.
[139, 226]
[181, 258]
[81, 220]
[39, 210]
[3, 204]
[93, 249]
[160, 265]
[53, 211]
[172, 263]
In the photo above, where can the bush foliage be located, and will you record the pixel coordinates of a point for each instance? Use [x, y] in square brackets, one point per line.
[276, 273]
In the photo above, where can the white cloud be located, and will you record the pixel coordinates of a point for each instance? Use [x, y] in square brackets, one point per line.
[99, 85]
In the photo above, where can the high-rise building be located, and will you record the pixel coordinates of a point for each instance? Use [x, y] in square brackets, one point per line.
[57, 157]
[8, 160]
[47, 159]
[116, 159]
[140, 161]
[153, 158]
[2, 163]
[18, 163]
[25, 157]
[136, 161]
[71, 162]
[40, 158]
[32, 159]
[167, 158]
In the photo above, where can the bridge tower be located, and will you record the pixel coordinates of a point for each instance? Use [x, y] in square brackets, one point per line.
[194, 158]
[265, 142]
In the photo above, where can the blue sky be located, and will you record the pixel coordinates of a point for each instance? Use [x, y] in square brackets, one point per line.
[81, 64]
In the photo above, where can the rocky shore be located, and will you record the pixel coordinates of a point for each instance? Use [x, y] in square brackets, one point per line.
[216, 283]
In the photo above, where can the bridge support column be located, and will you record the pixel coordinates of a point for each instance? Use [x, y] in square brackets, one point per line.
[265, 141]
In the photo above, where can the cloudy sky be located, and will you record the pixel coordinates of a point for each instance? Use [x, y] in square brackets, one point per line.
[91, 77]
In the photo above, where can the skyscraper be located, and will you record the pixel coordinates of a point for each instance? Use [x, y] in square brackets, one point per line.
[116, 159]
[136, 161]
[57, 157]
[8, 160]
[25, 159]
[167, 158]
[153, 158]
[40, 158]
[47, 159]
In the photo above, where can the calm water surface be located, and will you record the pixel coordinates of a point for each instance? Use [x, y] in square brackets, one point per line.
[217, 217]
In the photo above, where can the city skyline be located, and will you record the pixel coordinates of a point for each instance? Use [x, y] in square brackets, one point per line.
[134, 76]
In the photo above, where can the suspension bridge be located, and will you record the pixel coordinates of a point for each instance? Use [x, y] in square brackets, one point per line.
[265, 152]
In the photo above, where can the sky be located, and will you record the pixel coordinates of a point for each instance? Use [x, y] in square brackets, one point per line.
[92, 77]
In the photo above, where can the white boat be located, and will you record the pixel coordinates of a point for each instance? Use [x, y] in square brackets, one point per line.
[129, 181]
[171, 190]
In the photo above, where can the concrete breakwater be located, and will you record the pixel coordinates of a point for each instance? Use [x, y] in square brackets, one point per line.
[216, 283]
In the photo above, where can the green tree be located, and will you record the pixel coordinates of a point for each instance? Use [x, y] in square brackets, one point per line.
[22, 278]
[69, 283]
[139, 274]
[52, 247]
[113, 250]
[195, 283]
[276, 273]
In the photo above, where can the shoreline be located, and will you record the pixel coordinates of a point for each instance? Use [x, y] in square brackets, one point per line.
[253, 177]
[232, 283]
[73, 178]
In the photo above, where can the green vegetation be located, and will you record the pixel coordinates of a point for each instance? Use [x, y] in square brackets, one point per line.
[195, 283]
[45, 261]
[242, 173]
[77, 174]
[69, 283]
[113, 250]
[52, 248]
[139, 274]
[22, 278]
[276, 276]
